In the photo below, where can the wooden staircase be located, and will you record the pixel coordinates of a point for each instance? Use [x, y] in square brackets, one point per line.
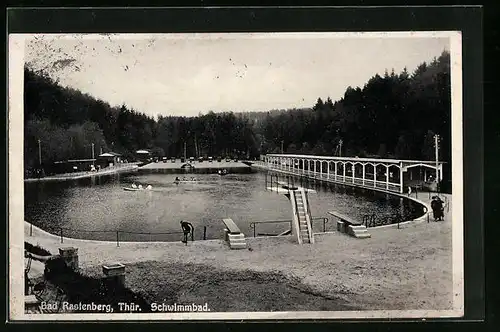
[302, 216]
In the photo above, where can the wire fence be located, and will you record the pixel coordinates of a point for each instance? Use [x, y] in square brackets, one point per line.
[199, 232]
[319, 224]
[373, 220]
[120, 236]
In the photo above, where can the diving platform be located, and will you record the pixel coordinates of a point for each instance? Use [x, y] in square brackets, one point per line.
[302, 220]
[350, 226]
[284, 188]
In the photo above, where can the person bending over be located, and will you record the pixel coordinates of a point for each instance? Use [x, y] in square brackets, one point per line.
[187, 228]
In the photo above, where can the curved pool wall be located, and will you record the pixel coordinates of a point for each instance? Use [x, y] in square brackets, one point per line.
[78, 206]
[419, 210]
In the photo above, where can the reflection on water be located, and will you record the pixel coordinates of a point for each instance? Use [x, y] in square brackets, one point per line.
[96, 208]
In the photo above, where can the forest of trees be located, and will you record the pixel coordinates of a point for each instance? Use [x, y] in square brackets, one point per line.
[394, 115]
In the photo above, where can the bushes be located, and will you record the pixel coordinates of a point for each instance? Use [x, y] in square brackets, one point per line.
[36, 250]
[80, 288]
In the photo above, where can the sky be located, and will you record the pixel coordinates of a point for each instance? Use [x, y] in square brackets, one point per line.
[189, 74]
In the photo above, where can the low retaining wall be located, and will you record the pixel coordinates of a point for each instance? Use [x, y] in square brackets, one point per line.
[70, 176]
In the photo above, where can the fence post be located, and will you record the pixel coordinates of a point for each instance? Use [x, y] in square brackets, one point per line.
[31, 229]
[117, 239]
[324, 224]
[62, 235]
[204, 232]
[192, 235]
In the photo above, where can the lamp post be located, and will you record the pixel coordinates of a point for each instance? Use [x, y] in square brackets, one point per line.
[282, 146]
[39, 153]
[92, 152]
[436, 147]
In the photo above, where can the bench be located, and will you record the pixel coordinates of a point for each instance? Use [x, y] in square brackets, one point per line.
[233, 235]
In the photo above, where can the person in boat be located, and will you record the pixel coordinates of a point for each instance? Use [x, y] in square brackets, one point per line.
[134, 186]
[177, 179]
[140, 186]
[149, 187]
[187, 228]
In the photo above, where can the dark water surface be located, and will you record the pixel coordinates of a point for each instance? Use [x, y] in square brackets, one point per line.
[96, 208]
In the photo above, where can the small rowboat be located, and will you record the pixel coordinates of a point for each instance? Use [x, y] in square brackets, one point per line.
[136, 189]
[131, 189]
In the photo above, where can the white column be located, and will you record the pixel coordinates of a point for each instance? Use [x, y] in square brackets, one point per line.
[387, 177]
[335, 173]
[321, 168]
[343, 166]
[329, 163]
[363, 174]
[352, 173]
[400, 177]
[314, 167]
[375, 175]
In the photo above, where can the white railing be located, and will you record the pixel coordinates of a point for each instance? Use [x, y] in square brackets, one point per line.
[337, 178]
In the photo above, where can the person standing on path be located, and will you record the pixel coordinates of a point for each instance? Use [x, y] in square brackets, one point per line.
[437, 208]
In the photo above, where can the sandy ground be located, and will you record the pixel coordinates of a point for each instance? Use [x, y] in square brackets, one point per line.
[406, 268]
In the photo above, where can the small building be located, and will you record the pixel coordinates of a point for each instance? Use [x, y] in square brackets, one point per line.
[143, 155]
[73, 165]
[108, 159]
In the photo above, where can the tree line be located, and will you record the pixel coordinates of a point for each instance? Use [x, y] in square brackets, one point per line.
[393, 115]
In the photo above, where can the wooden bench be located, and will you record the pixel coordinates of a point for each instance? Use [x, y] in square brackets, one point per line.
[233, 235]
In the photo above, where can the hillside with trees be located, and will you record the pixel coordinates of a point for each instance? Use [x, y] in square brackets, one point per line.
[393, 115]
